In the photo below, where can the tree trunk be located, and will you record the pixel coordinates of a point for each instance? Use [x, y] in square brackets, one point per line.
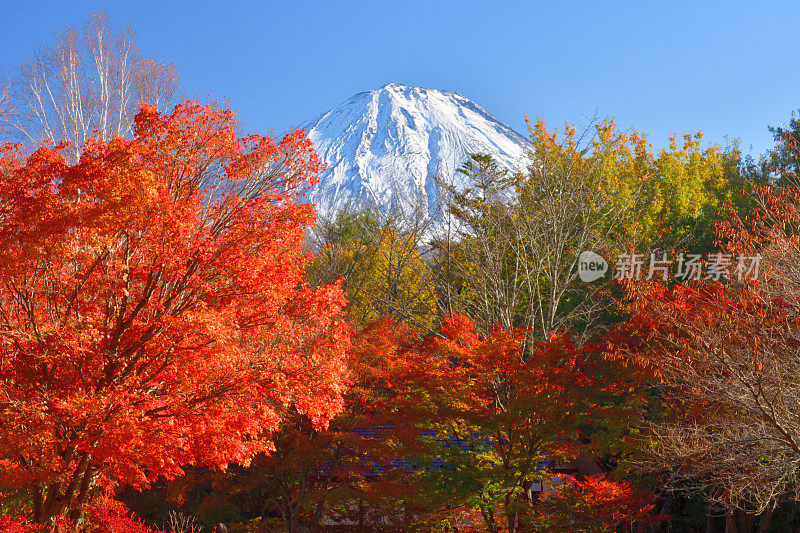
[55, 499]
[488, 518]
[730, 523]
[313, 527]
[766, 519]
[513, 522]
[744, 521]
[289, 514]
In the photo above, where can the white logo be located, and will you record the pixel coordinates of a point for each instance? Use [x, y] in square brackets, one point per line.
[591, 266]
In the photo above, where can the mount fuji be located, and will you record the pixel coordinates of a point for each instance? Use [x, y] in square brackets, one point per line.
[384, 148]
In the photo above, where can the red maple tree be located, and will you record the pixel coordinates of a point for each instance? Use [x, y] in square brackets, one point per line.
[499, 415]
[153, 308]
[595, 503]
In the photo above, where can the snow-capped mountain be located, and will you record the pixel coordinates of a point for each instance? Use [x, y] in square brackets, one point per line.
[384, 147]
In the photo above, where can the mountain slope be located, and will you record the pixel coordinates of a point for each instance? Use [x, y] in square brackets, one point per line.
[384, 147]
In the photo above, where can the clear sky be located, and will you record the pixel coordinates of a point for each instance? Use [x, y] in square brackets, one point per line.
[727, 68]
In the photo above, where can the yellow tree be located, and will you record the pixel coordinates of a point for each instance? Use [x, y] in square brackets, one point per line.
[383, 268]
[689, 185]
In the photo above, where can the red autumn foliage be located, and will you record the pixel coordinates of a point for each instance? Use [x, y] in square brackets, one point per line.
[103, 516]
[594, 504]
[510, 410]
[315, 473]
[110, 516]
[18, 524]
[153, 308]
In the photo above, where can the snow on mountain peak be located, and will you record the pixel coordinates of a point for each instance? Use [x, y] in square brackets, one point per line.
[384, 147]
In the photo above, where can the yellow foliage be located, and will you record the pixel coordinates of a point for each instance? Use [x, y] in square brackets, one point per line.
[387, 276]
[682, 183]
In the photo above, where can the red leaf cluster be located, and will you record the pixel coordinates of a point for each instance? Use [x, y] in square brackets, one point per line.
[153, 307]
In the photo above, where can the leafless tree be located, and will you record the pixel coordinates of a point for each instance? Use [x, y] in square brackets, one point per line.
[5, 103]
[183, 523]
[512, 242]
[88, 82]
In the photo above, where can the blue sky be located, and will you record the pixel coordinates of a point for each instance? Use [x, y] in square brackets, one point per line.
[727, 68]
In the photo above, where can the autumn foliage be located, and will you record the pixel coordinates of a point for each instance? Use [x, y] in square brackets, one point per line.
[522, 412]
[104, 515]
[480, 419]
[594, 504]
[726, 355]
[161, 319]
[153, 307]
